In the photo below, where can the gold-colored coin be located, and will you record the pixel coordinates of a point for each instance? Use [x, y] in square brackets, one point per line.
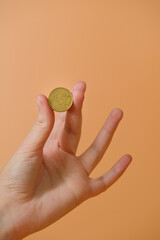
[60, 99]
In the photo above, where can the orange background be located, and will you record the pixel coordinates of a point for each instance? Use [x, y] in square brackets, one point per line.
[114, 46]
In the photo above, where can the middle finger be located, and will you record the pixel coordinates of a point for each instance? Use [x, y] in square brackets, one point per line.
[91, 157]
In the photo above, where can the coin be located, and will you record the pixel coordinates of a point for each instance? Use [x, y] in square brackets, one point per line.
[60, 99]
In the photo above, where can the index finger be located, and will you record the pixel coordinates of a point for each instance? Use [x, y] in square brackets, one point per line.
[73, 120]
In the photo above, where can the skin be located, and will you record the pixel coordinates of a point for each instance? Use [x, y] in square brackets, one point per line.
[44, 179]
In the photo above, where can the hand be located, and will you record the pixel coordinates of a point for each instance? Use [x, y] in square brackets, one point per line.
[44, 179]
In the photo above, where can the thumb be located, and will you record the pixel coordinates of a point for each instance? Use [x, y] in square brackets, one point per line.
[40, 131]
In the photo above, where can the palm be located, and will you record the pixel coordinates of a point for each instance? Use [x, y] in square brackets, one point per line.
[63, 185]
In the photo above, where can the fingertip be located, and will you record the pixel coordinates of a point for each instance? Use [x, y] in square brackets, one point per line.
[117, 111]
[78, 96]
[129, 157]
[43, 104]
[39, 98]
[81, 85]
[125, 160]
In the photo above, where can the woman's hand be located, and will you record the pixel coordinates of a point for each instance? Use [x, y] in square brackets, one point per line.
[44, 179]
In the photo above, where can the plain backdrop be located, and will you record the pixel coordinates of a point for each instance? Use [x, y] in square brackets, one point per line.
[114, 46]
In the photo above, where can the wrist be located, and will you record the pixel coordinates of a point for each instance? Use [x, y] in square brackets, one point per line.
[7, 231]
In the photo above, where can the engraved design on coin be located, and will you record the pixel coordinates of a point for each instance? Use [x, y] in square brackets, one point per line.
[60, 99]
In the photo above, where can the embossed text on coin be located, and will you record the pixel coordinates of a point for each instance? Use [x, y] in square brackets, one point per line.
[60, 99]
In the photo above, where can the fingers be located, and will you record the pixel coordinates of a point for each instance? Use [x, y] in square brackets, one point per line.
[103, 182]
[39, 133]
[91, 157]
[73, 120]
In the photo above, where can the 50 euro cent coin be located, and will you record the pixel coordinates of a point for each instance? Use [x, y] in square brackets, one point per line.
[60, 99]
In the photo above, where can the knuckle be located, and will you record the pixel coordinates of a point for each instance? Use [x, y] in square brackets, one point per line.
[41, 123]
[108, 131]
[95, 148]
[103, 184]
[70, 130]
[116, 170]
